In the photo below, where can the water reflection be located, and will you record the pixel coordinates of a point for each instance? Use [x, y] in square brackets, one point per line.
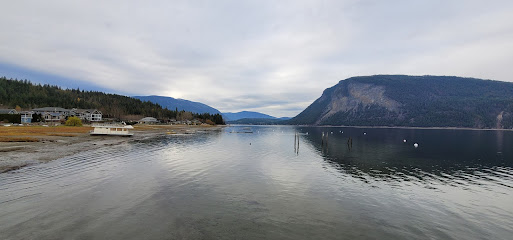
[245, 182]
[451, 157]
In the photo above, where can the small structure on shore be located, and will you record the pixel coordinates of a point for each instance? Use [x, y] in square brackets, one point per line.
[91, 115]
[53, 114]
[112, 130]
[148, 120]
[8, 111]
[26, 116]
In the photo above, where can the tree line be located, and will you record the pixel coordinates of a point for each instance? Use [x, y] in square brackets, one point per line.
[425, 101]
[26, 95]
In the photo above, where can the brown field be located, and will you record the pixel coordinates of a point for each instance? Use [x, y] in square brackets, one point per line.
[34, 133]
[65, 131]
[39, 133]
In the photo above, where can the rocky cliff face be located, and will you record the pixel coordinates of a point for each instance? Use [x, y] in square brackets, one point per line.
[357, 95]
[421, 101]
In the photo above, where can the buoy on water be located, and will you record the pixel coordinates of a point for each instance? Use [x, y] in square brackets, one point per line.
[364, 133]
[416, 145]
[404, 140]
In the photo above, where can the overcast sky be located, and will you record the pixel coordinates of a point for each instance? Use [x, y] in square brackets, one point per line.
[274, 57]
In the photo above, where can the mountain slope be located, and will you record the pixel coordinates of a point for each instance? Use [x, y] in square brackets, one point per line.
[245, 114]
[417, 101]
[258, 121]
[182, 104]
[27, 96]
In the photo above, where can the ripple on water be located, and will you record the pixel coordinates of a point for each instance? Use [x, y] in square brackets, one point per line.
[222, 185]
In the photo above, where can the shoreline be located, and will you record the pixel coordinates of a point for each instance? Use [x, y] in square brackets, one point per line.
[426, 128]
[52, 146]
[397, 127]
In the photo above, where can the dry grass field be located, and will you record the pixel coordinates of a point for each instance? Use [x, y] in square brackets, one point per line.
[35, 133]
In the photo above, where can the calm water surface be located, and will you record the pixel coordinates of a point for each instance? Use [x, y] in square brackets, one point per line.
[255, 183]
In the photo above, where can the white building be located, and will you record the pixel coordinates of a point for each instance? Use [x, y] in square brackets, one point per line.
[26, 116]
[112, 130]
[53, 114]
[91, 115]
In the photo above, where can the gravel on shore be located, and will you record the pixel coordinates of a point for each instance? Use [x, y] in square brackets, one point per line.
[15, 155]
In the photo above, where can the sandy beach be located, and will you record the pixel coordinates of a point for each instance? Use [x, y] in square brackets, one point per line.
[22, 146]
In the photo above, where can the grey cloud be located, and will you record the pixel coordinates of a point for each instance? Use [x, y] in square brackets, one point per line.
[271, 56]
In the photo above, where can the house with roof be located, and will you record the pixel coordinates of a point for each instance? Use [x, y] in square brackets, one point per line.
[9, 115]
[8, 111]
[26, 116]
[53, 114]
[148, 120]
[91, 115]
[63, 111]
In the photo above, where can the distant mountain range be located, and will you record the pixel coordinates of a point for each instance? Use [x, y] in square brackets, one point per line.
[180, 104]
[416, 101]
[197, 107]
[260, 121]
[245, 114]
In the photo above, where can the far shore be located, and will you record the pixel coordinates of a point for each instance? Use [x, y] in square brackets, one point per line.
[27, 145]
[398, 127]
[22, 146]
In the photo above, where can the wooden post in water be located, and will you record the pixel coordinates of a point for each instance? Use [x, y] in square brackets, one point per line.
[327, 134]
[295, 137]
[297, 152]
[296, 142]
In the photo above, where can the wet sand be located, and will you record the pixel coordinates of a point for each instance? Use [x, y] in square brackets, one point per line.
[14, 155]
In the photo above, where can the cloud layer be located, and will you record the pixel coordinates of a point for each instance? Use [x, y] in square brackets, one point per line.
[270, 56]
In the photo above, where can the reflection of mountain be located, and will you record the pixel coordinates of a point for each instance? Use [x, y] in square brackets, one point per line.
[444, 157]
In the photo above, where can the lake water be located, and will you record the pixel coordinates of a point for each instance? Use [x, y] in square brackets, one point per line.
[256, 183]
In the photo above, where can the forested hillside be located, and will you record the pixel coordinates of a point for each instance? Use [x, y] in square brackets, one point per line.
[258, 121]
[27, 96]
[179, 104]
[245, 114]
[417, 101]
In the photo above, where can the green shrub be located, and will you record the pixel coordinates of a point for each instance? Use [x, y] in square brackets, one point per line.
[74, 122]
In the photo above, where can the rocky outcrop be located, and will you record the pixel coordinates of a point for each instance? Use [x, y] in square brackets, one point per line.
[358, 95]
[416, 101]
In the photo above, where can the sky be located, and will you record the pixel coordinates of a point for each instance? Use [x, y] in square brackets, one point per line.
[274, 57]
